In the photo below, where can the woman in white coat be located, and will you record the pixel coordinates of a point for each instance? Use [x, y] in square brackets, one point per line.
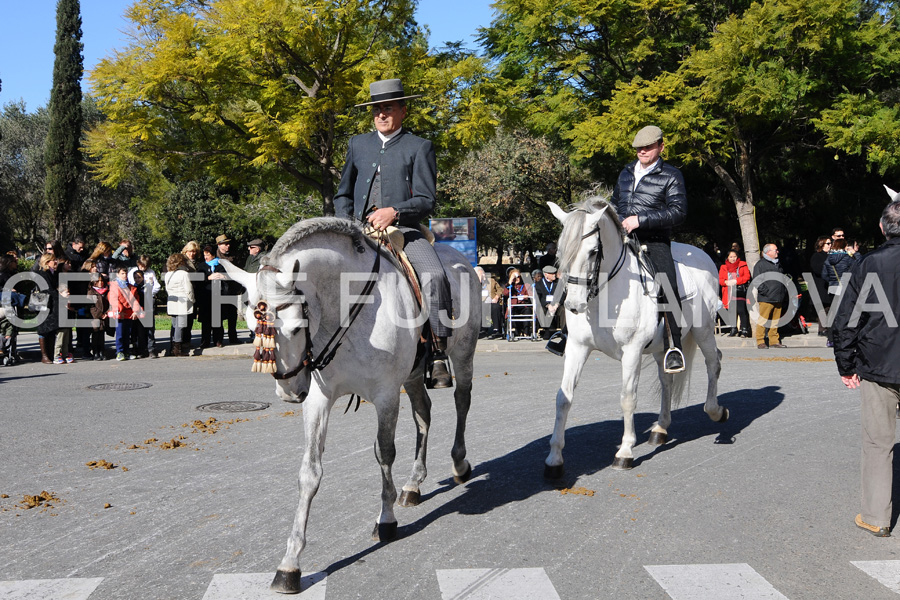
[181, 300]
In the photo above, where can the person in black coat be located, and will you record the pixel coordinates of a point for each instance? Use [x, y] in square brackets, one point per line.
[771, 296]
[650, 198]
[389, 178]
[867, 354]
[816, 262]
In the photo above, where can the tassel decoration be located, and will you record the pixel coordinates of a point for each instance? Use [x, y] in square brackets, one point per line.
[264, 340]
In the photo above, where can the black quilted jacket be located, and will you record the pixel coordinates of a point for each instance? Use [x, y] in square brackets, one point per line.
[659, 200]
[865, 339]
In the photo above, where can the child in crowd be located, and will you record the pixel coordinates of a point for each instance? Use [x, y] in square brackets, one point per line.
[125, 307]
[99, 309]
[144, 279]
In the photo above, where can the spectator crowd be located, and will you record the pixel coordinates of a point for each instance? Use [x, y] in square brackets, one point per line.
[80, 298]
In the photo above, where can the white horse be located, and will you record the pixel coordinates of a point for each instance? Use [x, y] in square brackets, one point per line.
[610, 309]
[316, 277]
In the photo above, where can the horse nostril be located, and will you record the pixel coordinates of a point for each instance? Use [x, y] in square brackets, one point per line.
[303, 396]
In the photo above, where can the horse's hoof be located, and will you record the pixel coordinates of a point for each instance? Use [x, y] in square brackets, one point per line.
[553, 472]
[465, 476]
[724, 416]
[657, 439]
[385, 532]
[622, 464]
[409, 498]
[286, 582]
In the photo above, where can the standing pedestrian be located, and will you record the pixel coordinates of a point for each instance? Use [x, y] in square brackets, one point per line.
[771, 297]
[255, 247]
[867, 353]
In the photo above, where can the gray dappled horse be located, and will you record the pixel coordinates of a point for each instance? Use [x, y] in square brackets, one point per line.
[313, 280]
[613, 308]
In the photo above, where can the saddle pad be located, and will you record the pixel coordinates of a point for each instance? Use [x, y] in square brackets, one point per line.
[687, 287]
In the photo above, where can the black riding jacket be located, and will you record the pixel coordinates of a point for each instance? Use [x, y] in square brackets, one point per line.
[871, 347]
[659, 201]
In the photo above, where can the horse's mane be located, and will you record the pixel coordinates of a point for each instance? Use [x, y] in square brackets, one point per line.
[570, 238]
[308, 227]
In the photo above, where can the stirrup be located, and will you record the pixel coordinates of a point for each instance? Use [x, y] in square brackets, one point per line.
[673, 361]
[557, 343]
[438, 376]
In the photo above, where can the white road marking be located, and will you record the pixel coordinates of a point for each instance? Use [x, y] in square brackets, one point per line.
[255, 586]
[49, 589]
[886, 572]
[495, 584]
[713, 582]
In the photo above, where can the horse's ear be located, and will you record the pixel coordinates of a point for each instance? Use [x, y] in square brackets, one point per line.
[248, 280]
[594, 218]
[894, 195]
[290, 281]
[559, 213]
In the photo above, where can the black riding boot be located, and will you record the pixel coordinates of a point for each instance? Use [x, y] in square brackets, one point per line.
[673, 361]
[440, 369]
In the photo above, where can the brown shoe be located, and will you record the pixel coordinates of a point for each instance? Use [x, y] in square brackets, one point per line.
[763, 347]
[777, 346]
[876, 531]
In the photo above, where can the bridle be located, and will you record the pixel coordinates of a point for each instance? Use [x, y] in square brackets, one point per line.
[593, 280]
[325, 356]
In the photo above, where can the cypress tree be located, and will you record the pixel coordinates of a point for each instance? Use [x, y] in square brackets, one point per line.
[63, 154]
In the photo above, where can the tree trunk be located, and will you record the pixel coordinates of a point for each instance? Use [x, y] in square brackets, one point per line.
[742, 196]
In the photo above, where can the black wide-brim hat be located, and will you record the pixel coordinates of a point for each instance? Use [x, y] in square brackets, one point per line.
[386, 90]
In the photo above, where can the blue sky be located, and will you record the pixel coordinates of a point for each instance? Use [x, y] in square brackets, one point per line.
[27, 31]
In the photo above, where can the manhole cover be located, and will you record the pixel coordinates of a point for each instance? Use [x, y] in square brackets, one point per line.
[119, 387]
[233, 406]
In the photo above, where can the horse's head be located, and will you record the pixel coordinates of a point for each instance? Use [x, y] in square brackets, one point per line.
[580, 248]
[285, 302]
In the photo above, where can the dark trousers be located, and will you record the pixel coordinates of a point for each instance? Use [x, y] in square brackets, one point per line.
[430, 271]
[660, 254]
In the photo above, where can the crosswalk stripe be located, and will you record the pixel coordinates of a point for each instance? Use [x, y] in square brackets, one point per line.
[495, 584]
[255, 586]
[49, 589]
[713, 582]
[886, 572]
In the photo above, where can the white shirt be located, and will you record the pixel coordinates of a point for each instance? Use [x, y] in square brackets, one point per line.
[386, 138]
[639, 172]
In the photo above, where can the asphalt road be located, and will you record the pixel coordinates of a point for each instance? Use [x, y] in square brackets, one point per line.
[775, 489]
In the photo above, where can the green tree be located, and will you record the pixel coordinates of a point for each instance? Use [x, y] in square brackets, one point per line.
[63, 153]
[751, 98]
[559, 61]
[506, 185]
[250, 90]
[23, 207]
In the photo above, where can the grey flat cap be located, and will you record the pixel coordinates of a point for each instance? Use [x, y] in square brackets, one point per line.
[255, 242]
[550, 269]
[386, 90]
[646, 136]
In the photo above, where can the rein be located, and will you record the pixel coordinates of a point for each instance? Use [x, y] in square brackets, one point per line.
[593, 281]
[331, 347]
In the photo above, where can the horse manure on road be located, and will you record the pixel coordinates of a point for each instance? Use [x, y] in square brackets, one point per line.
[580, 491]
[44, 500]
[101, 464]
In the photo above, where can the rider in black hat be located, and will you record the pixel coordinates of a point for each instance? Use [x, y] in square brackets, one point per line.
[389, 178]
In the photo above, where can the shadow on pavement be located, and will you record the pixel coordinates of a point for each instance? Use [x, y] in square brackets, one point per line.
[518, 475]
